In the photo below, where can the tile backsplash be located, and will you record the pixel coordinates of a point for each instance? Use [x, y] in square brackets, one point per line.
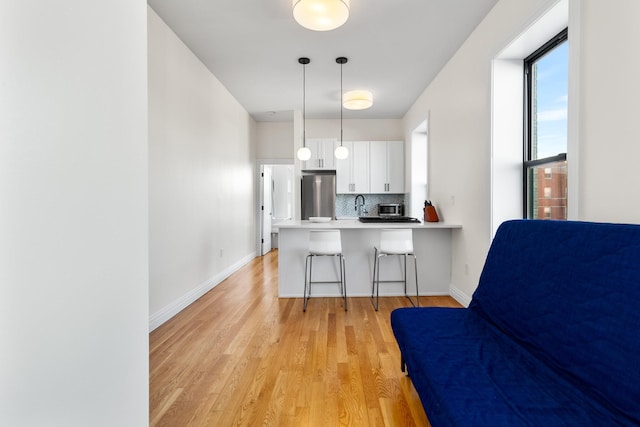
[345, 203]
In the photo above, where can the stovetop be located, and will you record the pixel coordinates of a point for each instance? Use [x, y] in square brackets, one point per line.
[388, 219]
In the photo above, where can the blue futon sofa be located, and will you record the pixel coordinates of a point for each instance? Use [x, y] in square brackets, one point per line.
[551, 337]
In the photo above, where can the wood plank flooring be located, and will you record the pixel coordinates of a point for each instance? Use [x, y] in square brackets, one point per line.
[240, 356]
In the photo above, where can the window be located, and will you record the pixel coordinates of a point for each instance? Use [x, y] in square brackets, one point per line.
[545, 145]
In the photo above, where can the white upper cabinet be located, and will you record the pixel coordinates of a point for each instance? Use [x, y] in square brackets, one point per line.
[352, 173]
[378, 167]
[322, 156]
[395, 167]
[373, 167]
[387, 167]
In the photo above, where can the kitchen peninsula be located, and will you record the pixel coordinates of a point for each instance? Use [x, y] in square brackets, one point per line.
[432, 246]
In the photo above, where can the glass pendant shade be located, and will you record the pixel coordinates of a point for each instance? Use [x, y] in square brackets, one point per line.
[357, 100]
[321, 15]
[341, 152]
[304, 154]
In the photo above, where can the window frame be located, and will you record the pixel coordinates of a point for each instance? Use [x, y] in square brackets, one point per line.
[528, 163]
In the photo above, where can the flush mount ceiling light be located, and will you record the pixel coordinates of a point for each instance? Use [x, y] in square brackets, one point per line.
[341, 151]
[321, 15]
[304, 153]
[357, 100]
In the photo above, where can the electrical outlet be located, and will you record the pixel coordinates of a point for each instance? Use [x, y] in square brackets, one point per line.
[221, 252]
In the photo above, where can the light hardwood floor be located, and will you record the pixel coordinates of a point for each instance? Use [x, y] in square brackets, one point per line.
[240, 356]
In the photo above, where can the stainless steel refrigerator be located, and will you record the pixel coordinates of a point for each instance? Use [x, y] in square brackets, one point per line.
[318, 194]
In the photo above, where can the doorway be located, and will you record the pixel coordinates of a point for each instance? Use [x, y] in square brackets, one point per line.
[276, 202]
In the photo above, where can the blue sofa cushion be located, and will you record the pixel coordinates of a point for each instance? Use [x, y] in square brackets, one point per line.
[468, 373]
[569, 294]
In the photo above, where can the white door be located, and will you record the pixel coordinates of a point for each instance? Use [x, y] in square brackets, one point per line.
[266, 206]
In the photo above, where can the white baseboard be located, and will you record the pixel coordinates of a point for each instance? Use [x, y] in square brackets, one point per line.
[460, 296]
[362, 295]
[166, 313]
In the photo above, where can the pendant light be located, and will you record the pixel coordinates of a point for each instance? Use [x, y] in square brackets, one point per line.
[321, 15]
[341, 152]
[304, 153]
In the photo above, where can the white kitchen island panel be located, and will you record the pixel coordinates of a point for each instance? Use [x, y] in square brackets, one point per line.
[432, 246]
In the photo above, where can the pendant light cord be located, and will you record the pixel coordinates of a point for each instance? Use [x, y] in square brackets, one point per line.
[341, 60]
[304, 105]
[341, 103]
[304, 62]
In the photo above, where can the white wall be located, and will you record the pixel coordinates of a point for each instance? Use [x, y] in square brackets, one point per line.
[458, 103]
[609, 111]
[460, 123]
[201, 177]
[73, 215]
[357, 129]
[274, 140]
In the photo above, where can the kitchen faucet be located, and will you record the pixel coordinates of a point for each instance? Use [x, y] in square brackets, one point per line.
[360, 206]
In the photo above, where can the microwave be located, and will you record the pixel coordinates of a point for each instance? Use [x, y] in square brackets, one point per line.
[390, 209]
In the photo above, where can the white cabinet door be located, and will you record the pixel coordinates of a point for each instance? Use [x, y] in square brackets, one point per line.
[353, 172]
[378, 167]
[328, 156]
[395, 167]
[360, 167]
[387, 167]
[343, 171]
[321, 153]
[314, 161]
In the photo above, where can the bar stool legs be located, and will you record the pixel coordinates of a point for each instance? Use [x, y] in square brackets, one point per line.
[324, 243]
[307, 279]
[393, 242]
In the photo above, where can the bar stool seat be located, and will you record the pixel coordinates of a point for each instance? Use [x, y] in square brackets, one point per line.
[394, 242]
[324, 243]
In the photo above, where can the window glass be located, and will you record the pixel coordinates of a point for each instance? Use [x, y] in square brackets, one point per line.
[550, 88]
[545, 159]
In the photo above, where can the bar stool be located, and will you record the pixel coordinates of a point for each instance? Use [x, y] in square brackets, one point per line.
[324, 243]
[394, 242]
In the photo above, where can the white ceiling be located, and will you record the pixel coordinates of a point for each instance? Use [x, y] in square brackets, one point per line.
[394, 47]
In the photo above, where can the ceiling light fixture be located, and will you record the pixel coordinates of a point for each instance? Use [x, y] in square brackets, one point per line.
[304, 153]
[357, 100]
[321, 15]
[341, 152]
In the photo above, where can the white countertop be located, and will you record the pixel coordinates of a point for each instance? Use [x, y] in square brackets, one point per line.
[355, 224]
[431, 242]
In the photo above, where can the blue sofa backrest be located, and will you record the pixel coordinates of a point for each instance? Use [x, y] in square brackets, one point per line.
[569, 292]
